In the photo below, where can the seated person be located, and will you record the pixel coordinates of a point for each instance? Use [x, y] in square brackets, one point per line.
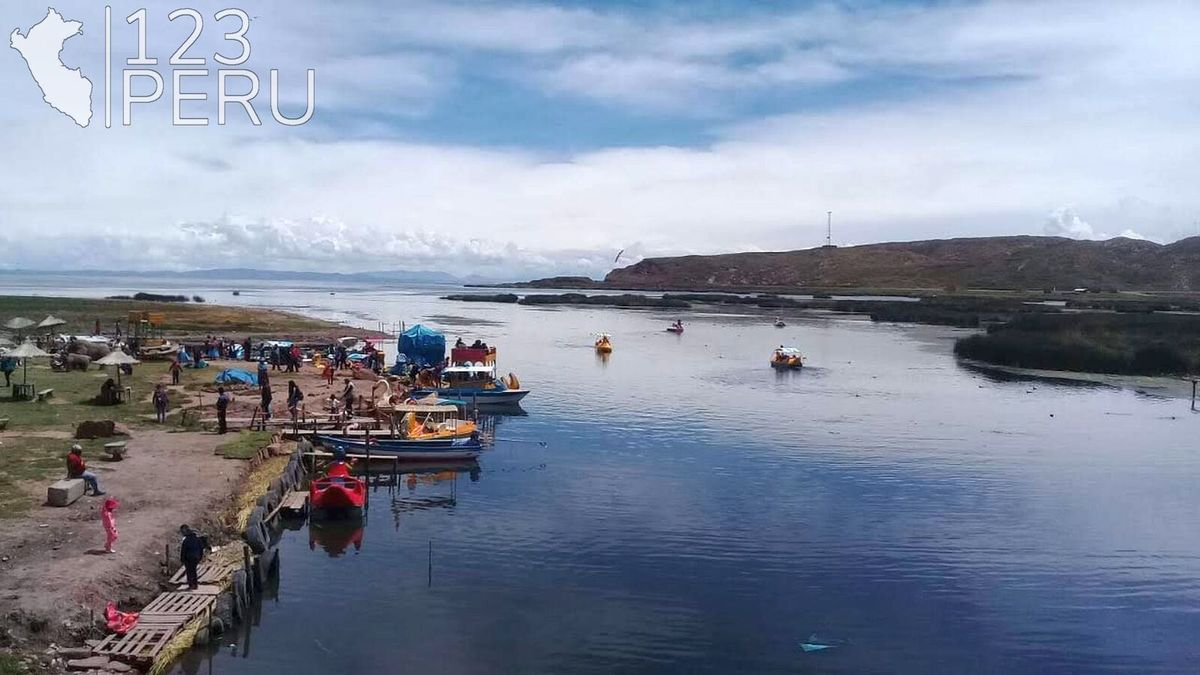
[77, 468]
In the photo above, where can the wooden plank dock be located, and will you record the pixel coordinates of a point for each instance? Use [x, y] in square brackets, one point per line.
[208, 573]
[294, 502]
[141, 644]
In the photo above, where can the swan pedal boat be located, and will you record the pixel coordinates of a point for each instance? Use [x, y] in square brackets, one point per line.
[787, 357]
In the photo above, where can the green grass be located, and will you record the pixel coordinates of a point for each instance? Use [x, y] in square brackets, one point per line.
[11, 665]
[24, 459]
[73, 391]
[181, 318]
[1124, 343]
[246, 445]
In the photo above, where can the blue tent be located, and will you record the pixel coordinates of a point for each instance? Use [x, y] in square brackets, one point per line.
[423, 346]
[236, 376]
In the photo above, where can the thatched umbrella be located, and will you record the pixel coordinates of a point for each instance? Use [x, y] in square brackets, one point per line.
[26, 351]
[117, 358]
[51, 321]
[18, 324]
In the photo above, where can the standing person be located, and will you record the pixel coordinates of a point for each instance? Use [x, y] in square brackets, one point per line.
[160, 402]
[77, 468]
[97, 331]
[191, 552]
[246, 350]
[348, 398]
[294, 398]
[266, 402]
[297, 359]
[108, 518]
[175, 370]
[264, 378]
[328, 372]
[223, 399]
[7, 366]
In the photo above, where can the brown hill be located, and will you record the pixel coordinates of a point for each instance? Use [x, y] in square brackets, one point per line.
[1022, 262]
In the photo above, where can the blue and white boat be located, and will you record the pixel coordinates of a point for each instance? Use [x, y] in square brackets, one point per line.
[477, 385]
[407, 450]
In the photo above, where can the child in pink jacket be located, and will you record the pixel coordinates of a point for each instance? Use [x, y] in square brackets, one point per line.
[108, 518]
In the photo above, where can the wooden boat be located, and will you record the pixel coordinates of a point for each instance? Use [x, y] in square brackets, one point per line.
[407, 450]
[779, 323]
[676, 328]
[787, 357]
[604, 344]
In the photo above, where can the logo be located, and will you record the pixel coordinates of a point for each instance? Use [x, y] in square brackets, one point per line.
[143, 82]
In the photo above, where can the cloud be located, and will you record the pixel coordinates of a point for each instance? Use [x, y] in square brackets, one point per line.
[952, 119]
[1064, 222]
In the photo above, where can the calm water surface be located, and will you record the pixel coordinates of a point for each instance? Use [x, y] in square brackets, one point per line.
[695, 511]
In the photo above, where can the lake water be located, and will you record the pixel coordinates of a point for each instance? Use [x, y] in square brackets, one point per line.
[695, 511]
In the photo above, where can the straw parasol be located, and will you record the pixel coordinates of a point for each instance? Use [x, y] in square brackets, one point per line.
[51, 321]
[117, 358]
[26, 351]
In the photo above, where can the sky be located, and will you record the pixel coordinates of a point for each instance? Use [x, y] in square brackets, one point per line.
[514, 140]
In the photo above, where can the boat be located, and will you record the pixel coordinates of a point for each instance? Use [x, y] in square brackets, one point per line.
[405, 449]
[676, 328]
[787, 357]
[604, 344]
[337, 492]
[237, 292]
[477, 385]
[437, 422]
[779, 323]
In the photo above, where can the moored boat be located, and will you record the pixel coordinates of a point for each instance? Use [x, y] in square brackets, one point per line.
[787, 357]
[337, 491]
[477, 385]
[407, 450]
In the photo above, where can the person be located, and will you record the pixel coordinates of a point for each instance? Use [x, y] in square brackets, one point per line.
[108, 518]
[477, 344]
[223, 399]
[340, 357]
[294, 398]
[265, 403]
[175, 369]
[338, 468]
[97, 327]
[160, 402]
[328, 372]
[348, 398]
[7, 366]
[77, 468]
[297, 358]
[246, 350]
[264, 377]
[191, 553]
[459, 344]
[108, 392]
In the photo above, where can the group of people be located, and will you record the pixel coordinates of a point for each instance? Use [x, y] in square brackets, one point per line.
[192, 545]
[287, 359]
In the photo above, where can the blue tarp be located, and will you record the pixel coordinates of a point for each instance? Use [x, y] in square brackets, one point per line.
[236, 376]
[422, 345]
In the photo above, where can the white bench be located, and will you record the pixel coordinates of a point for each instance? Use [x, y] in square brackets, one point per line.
[64, 492]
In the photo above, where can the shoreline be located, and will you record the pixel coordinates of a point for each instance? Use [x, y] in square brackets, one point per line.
[54, 579]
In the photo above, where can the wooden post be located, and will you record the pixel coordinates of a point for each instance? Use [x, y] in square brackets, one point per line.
[246, 566]
[431, 563]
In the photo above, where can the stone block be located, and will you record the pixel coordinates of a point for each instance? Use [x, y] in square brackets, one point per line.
[64, 492]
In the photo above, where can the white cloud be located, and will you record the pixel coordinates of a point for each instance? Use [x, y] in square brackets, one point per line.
[1051, 104]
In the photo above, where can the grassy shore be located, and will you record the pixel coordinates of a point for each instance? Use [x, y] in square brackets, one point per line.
[182, 319]
[1124, 344]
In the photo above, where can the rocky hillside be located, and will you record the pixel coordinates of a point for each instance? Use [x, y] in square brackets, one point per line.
[1023, 262]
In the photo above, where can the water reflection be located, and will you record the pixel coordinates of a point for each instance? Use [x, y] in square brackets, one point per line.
[335, 536]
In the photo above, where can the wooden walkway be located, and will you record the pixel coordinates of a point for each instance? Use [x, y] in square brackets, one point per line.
[157, 624]
[294, 502]
[208, 573]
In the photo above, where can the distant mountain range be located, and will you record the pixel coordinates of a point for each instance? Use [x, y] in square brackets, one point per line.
[249, 274]
[1010, 263]
[1021, 262]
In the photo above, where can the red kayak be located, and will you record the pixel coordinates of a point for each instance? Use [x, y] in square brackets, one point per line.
[337, 492]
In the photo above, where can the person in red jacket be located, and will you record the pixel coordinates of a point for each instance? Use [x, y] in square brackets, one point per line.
[77, 468]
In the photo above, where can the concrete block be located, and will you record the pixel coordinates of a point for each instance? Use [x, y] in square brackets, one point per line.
[64, 492]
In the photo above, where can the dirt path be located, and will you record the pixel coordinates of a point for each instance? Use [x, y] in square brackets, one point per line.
[54, 569]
